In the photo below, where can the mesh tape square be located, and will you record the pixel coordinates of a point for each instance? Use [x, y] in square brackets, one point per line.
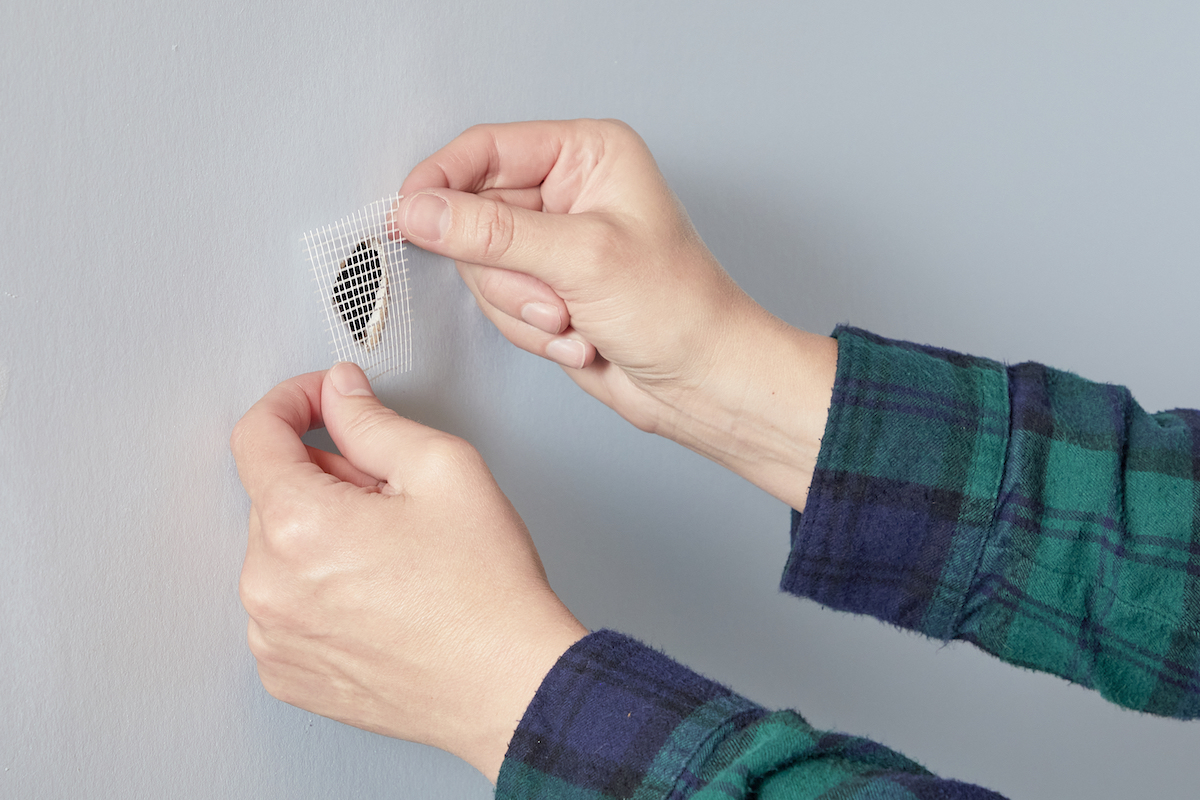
[362, 280]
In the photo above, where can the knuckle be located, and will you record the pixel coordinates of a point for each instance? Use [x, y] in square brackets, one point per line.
[494, 230]
[237, 439]
[447, 457]
[477, 129]
[599, 244]
[285, 523]
[273, 610]
[273, 683]
[258, 601]
[619, 130]
[288, 530]
[502, 288]
[252, 602]
[369, 423]
[615, 124]
[490, 283]
[259, 648]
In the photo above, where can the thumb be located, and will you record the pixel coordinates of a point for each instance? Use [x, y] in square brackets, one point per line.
[371, 436]
[489, 232]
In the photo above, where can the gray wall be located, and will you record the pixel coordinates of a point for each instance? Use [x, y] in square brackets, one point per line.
[1019, 181]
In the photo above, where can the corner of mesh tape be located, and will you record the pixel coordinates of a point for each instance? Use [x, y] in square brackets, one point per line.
[362, 280]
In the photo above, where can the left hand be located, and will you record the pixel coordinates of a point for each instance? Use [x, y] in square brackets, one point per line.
[394, 587]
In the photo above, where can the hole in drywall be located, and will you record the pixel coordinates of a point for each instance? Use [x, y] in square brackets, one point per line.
[361, 292]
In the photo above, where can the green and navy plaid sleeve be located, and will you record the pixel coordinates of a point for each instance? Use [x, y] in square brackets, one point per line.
[1045, 518]
[616, 719]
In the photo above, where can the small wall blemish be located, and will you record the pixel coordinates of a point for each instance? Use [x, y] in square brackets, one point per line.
[20, 298]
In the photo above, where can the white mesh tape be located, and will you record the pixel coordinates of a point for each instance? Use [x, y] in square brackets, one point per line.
[363, 283]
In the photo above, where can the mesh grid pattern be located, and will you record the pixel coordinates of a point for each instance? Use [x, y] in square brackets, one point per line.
[362, 280]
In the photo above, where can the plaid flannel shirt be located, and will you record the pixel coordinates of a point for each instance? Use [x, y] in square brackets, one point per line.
[1045, 518]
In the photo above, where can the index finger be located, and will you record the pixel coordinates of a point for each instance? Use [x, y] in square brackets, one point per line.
[511, 155]
[511, 160]
[266, 441]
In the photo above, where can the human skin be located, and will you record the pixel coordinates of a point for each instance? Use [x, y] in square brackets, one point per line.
[394, 587]
[575, 220]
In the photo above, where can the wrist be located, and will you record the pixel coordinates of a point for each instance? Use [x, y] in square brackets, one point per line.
[762, 408]
[506, 690]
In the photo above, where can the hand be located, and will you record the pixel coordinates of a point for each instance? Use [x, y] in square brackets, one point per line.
[613, 265]
[576, 249]
[394, 587]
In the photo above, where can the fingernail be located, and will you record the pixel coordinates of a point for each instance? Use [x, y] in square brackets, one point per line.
[427, 218]
[542, 316]
[349, 380]
[567, 352]
[393, 228]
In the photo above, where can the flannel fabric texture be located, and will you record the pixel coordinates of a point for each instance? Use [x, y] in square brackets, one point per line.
[616, 719]
[1045, 518]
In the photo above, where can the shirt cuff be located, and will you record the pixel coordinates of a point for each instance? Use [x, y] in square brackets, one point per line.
[904, 492]
[614, 719]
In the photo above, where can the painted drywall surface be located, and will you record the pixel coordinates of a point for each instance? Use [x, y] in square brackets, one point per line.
[1017, 182]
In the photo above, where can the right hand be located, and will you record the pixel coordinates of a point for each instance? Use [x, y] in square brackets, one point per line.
[577, 250]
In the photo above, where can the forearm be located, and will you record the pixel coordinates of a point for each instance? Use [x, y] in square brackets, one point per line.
[617, 719]
[762, 407]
